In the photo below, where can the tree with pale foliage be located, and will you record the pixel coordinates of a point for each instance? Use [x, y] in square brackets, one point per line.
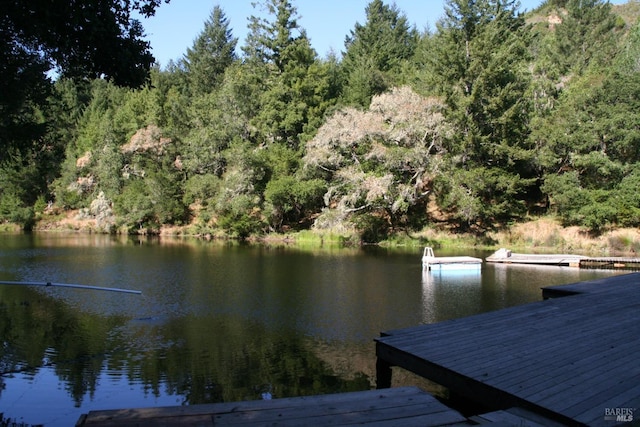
[380, 162]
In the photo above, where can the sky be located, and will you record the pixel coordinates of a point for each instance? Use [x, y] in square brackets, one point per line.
[176, 25]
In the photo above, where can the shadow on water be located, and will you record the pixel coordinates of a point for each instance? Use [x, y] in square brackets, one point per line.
[104, 362]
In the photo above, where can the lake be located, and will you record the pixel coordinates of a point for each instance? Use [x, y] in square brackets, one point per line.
[217, 321]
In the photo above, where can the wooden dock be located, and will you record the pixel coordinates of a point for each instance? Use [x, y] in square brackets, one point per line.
[451, 263]
[505, 256]
[611, 262]
[574, 360]
[406, 406]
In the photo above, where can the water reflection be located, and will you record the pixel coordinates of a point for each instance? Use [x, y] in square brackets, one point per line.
[444, 293]
[216, 322]
[85, 361]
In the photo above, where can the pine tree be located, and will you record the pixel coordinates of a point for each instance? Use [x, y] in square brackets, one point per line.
[268, 39]
[478, 62]
[290, 85]
[212, 52]
[375, 52]
[587, 35]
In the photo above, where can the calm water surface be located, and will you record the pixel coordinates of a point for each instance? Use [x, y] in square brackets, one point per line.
[216, 322]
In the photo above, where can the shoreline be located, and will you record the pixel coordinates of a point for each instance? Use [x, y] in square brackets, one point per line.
[543, 234]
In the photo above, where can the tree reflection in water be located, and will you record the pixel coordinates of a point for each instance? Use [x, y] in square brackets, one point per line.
[192, 359]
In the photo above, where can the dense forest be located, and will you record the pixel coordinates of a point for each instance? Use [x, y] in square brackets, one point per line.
[492, 117]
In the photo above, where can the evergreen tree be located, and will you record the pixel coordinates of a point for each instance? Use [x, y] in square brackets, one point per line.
[152, 193]
[628, 60]
[478, 62]
[267, 40]
[172, 100]
[586, 141]
[95, 134]
[212, 52]
[589, 151]
[587, 35]
[375, 53]
[291, 86]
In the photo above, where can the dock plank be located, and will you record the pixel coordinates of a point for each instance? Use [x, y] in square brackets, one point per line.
[514, 417]
[631, 400]
[408, 406]
[576, 384]
[573, 353]
[491, 335]
[586, 399]
[559, 357]
[483, 327]
[593, 286]
[507, 257]
[537, 384]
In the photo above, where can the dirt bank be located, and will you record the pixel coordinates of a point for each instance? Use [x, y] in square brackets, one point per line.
[537, 235]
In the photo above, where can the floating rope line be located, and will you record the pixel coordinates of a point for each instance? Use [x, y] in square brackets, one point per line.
[69, 285]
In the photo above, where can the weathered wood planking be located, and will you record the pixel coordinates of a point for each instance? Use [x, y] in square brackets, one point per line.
[507, 257]
[514, 417]
[565, 358]
[406, 406]
[600, 285]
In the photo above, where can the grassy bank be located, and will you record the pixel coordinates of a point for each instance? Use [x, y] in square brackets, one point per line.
[539, 235]
[549, 234]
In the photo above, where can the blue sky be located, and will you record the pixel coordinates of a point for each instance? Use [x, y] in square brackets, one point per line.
[327, 22]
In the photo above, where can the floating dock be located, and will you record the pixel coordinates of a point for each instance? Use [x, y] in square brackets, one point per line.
[505, 256]
[573, 360]
[432, 263]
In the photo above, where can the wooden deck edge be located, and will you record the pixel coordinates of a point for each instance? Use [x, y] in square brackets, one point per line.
[590, 286]
[465, 387]
[514, 417]
[390, 406]
[556, 292]
[431, 351]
